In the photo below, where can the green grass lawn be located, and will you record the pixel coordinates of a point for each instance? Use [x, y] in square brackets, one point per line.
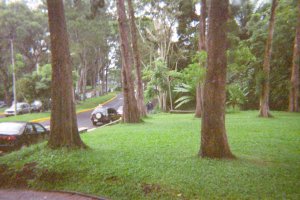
[83, 105]
[2, 110]
[158, 159]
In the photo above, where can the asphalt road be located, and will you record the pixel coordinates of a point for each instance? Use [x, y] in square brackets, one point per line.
[83, 119]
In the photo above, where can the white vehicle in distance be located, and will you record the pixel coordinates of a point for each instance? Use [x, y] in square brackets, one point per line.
[22, 108]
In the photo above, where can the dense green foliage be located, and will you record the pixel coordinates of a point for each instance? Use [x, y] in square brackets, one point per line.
[158, 160]
[97, 61]
[90, 40]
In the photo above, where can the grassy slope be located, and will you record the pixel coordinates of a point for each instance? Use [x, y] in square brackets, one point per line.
[2, 110]
[87, 104]
[160, 155]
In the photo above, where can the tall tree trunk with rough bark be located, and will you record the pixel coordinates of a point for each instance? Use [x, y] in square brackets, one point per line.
[214, 142]
[130, 109]
[64, 130]
[137, 61]
[202, 47]
[294, 90]
[4, 79]
[265, 89]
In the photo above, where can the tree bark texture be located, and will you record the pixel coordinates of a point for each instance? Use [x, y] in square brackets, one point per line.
[202, 47]
[137, 61]
[265, 89]
[4, 79]
[214, 142]
[64, 130]
[199, 100]
[294, 90]
[130, 109]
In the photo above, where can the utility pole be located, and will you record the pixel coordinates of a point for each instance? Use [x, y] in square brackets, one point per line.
[14, 75]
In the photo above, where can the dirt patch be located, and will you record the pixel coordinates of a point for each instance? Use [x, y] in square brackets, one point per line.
[150, 188]
[51, 177]
[17, 179]
[113, 180]
[27, 173]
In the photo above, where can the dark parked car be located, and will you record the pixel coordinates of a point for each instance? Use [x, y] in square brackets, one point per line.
[104, 115]
[14, 135]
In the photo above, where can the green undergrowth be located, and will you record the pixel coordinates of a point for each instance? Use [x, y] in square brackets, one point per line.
[83, 105]
[158, 159]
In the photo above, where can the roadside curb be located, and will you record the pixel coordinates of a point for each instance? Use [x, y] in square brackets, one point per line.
[82, 111]
[109, 124]
[41, 119]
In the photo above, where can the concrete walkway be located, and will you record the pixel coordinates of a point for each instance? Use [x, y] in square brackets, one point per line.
[36, 195]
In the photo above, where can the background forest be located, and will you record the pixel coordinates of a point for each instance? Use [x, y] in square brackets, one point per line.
[168, 38]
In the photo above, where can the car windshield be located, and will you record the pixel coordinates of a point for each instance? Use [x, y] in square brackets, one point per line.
[103, 110]
[18, 106]
[11, 128]
[36, 103]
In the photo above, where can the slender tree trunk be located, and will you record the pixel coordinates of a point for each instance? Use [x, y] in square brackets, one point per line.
[202, 47]
[265, 91]
[137, 61]
[199, 100]
[81, 82]
[214, 142]
[106, 79]
[84, 80]
[294, 90]
[170, 93]
[7, 97]
[202, 27]
[64, 130]
[164, 100]
[130, 109]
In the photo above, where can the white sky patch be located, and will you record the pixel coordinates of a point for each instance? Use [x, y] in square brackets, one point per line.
[32, 4]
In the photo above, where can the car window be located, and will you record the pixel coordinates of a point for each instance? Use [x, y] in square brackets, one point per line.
[39, 128]
[29, 129]
[111, 111]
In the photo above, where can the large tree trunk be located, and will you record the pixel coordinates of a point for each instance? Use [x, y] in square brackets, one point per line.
[130, 109]
[137, 61]
[202, 47]
[265, 89]
[214, 142]
[64, 130]
[294, 90]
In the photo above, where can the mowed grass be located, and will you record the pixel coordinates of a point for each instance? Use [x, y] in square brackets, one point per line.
[81, 106]
[158, 159]
[2, 110]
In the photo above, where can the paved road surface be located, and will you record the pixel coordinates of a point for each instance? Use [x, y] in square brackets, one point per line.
[83, 119]
[35, 195]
